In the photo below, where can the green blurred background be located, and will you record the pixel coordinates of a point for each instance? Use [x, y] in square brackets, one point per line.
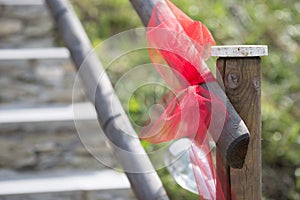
[274, 23]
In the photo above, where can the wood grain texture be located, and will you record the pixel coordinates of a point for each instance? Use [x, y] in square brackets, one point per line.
[242, 82]
[231, 135]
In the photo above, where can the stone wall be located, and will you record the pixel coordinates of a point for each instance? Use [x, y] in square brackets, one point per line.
[25, 26]
[30, 147]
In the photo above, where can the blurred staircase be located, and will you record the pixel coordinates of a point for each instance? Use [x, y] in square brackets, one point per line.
[105, 185]
[53, 183]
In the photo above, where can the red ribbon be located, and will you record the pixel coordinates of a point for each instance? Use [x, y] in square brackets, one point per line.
[178, 47]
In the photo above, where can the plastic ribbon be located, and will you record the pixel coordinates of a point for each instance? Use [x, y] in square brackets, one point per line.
[178, 47]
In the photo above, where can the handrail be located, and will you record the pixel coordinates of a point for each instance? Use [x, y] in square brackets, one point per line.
[115, 124]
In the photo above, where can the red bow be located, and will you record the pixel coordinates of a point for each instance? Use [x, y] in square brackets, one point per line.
[178, 47]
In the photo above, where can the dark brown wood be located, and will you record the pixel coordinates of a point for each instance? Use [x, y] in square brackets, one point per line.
[233, 141]
[223, 174]
[222, 167]
[231, 135]
[144, 9]
[111, 116]
[242, 82]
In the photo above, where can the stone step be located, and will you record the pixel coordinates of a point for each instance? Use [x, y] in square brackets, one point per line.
[22, 3]
[34, 53]
[49, 113]
[63, 181]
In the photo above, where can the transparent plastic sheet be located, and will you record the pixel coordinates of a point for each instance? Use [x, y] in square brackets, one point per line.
[178, 47]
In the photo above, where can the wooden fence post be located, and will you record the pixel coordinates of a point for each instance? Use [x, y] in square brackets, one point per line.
[240, 72]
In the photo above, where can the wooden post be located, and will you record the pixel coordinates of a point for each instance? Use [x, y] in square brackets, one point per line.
[114, 122]
[240, 71]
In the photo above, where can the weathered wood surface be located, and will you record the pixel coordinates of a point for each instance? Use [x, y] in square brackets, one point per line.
[231, 135]
[234, 138]
[242, 82]
[111, 116]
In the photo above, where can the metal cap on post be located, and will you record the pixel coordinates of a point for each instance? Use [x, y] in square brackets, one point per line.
[239, 51]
